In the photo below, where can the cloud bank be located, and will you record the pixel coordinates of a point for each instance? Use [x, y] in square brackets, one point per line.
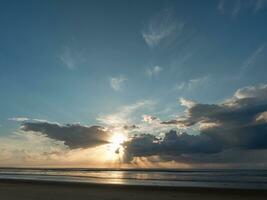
[237, 124]
[73, 135]
[227, 133]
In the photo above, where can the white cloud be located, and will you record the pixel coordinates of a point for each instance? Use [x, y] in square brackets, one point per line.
[28, 148]
[134, 116]
[249, 63]
[23, 147]
[67, 58]
[234, 7]
[24, 119]
[259, 92]
[117, 82]
[72, 58]
[187, 103]
[124, 114]
[262, 117]
[161, 27]
[229, 7]
[154, 71]
[149, 118]
[19, 119]
[253, 58]
[191, 84]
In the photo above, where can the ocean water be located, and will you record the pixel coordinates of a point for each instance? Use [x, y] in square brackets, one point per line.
[245, 179]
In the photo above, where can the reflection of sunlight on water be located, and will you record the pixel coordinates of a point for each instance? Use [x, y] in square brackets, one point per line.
[196, 178]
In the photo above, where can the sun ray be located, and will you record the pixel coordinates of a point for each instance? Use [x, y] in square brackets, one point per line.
[115, 149]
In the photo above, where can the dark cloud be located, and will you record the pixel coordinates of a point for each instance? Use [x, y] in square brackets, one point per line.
[130, 127]
[73, 135]
[172, 144]
[236, 124]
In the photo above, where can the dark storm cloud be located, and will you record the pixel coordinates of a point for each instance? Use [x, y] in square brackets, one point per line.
[238, 123]
[172, 144]
[73, 135]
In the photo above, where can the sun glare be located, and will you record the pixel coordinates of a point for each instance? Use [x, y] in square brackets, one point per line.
[115, 146]
[117, 139]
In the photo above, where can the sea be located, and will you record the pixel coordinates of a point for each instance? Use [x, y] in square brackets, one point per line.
[220, 178]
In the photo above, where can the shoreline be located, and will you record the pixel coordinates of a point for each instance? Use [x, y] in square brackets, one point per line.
[110, 185]
[44, 190]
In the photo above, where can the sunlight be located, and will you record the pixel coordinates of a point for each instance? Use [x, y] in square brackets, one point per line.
[115, 147]
[117, 139]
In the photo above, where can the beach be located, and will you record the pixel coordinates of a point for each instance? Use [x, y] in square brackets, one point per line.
[47, 190]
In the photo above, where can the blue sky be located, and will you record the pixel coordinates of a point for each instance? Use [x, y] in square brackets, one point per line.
[77, 61]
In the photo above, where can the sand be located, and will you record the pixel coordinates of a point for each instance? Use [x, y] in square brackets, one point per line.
[36, 190]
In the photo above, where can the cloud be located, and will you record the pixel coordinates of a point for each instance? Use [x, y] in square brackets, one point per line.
[67, 59]
[30, 148]
[262, 117]
[260, 5]
[154, 71]
[26, 148]
[149, 118]
[19, 119]
[237, 124]
[131, 119]
[258, 92]
[231, 7]
[234, 7]
[253, 58]
[191, 84]
[124, 115]
[73, 135]
[71, 58]
[161, 27]
[117, 82]
[187, 103]
[172, 144]
[250, 62]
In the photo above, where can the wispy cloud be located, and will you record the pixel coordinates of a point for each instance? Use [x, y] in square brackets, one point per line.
[234, 7]
[229, 7]
[26, 119]
[124, 114]
[160, 27]
[71, 58]
[132, 119]
[67, 58]
[260, 5]
[19, 119]
[253, 57]
[154, 71]
[116, 83]
[249, 63]
[191, 84]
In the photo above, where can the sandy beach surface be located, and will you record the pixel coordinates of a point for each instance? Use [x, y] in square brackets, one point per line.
[33, 190]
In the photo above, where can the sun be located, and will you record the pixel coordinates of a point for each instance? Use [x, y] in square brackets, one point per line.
[117, 139]
[115, 146]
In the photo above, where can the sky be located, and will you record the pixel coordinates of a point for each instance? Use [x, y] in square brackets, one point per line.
[153, 83]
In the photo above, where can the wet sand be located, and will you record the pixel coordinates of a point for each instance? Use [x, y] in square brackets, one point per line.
[44, 190]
